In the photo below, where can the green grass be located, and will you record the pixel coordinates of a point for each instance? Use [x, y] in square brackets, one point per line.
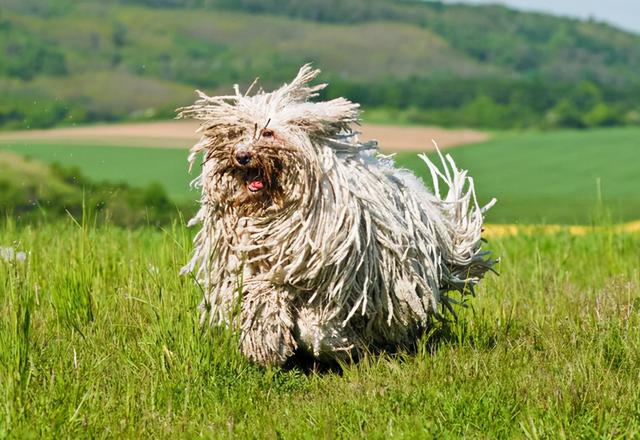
[550, 177]
[135, 166]
[553, 177]
[99, 337]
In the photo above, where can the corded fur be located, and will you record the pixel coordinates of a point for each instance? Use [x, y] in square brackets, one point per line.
[339, 252]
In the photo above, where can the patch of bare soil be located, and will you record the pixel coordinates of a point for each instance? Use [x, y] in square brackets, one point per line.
[181, 134]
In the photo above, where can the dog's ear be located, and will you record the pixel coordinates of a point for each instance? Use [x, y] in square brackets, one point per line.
[326, 118]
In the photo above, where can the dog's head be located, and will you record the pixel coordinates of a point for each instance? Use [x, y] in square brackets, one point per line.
[265, 151]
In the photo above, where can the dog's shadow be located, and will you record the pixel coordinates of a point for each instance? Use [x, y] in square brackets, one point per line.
[427, 343]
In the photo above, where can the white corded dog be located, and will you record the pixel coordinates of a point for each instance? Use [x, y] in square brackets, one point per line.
[313, 241]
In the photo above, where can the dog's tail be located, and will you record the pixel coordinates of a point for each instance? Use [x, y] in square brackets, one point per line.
[465, 262]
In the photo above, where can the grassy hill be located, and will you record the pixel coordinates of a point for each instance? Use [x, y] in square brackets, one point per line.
[33, 191]
[68, 61]
[134, 166]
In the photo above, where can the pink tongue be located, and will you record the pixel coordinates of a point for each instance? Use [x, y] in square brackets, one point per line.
[256, 185]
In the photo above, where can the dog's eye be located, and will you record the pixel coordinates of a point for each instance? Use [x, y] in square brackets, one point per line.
[230, 134]
[267, 133]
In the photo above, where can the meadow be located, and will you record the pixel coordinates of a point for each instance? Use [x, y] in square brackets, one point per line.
[553, 176]
[538, 177]
[133, 165]
[99, 337]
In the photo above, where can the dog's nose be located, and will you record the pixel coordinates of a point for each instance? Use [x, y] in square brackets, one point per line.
[243, 157]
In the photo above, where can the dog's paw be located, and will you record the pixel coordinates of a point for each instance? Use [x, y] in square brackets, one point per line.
[268, 346]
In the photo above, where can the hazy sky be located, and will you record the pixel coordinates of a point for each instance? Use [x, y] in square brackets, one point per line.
[622, 13]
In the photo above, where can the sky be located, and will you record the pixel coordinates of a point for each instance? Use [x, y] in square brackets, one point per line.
[624, 14]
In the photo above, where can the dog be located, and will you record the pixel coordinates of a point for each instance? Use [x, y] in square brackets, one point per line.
[311, 241]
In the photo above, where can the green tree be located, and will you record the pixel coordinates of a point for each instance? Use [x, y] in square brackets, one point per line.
[602, 115]
[564, 114]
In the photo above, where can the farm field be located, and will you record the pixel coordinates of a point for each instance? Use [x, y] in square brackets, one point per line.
[182, 134]
[538, 177]
[99, 337]
[134, 165]
[553, 177]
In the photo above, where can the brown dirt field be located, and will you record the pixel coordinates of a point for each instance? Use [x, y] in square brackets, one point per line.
[181, 134]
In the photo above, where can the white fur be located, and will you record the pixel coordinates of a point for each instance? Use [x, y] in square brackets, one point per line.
[362, 255]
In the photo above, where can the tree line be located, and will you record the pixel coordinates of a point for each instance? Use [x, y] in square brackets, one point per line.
[500, 104]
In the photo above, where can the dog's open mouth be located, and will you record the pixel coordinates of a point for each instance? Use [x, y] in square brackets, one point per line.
[254, 180]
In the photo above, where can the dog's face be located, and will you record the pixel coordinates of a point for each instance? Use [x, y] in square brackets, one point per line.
[263, 152]
[254, 168]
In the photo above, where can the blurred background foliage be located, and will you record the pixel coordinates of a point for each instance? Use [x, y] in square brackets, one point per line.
[69, 61]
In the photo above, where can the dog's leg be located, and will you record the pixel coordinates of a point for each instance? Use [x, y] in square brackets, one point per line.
[266, 325]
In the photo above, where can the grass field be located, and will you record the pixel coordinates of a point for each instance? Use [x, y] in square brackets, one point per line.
[99, 338]
[136, 166]
[551, 177]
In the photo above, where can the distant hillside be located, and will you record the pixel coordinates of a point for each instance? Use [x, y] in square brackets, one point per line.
[74, 61]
